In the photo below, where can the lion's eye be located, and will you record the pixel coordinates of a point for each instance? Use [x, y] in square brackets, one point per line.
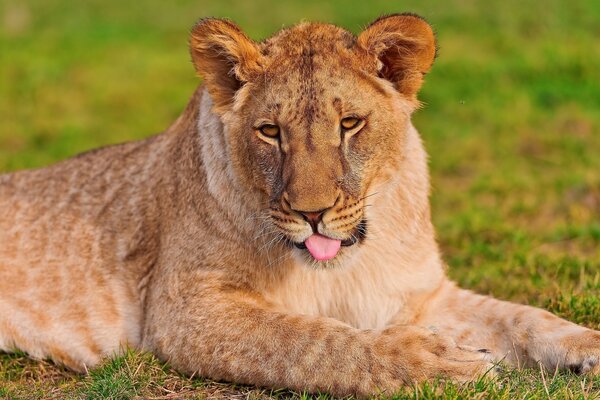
[268, 130]
[350, 123]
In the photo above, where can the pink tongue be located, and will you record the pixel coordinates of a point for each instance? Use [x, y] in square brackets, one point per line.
[322, 248]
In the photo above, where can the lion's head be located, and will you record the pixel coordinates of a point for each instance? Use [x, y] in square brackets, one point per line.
[314, 116]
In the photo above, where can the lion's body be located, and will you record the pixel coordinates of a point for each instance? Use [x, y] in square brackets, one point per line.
[75, 219]
[165, 244]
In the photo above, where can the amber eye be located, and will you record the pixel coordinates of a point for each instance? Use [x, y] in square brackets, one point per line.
[271, 131]
[350, 123]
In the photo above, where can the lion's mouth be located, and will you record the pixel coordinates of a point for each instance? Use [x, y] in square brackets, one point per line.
[323, 248]
[345, 243]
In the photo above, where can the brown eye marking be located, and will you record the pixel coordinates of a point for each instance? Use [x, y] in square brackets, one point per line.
[350, 123]
[269, 130]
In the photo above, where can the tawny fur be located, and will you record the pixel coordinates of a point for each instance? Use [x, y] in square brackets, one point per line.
[181, 244]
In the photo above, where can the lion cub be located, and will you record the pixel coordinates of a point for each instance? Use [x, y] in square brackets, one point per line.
[238, 244]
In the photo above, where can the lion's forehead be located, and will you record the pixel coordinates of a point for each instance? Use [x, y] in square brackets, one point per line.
[312, 89]
[308, 37]
[309, 50]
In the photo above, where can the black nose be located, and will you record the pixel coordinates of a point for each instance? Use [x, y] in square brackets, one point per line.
[313, 218]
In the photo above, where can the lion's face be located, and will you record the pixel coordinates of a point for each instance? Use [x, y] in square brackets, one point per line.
[318, 133]
[314, 117]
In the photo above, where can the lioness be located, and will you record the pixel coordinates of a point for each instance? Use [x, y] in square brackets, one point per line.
[277, 234]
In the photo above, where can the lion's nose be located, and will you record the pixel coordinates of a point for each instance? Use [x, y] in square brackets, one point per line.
[311, 215]
[313, 218]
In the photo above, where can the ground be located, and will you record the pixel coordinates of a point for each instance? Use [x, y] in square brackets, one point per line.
[511, 120]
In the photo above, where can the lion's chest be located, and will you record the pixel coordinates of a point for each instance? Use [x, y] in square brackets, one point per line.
[366, 295]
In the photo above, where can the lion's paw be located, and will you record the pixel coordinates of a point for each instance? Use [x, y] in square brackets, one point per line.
[427, 355]
[582, 352]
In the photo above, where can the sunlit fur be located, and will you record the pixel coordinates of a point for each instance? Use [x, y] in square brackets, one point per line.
[181, 244]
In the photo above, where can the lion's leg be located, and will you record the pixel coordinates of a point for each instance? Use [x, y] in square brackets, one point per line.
[232, 335]
[517, 334]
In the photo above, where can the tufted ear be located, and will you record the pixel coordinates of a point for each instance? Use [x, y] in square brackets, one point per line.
[404, 46]
[225, 57]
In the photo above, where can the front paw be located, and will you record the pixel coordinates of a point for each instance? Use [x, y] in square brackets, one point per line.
[424, 355]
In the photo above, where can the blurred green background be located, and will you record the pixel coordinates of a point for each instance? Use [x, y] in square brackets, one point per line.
[511, 117]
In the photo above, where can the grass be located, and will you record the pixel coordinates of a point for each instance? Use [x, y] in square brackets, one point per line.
[512, 122]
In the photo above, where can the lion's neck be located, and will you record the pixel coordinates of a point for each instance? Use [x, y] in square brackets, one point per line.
[239, 207]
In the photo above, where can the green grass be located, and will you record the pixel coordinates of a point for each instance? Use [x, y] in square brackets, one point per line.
[512, 124]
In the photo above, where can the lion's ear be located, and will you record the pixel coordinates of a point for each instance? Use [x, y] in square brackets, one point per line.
[225, 57]
[404, 46]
